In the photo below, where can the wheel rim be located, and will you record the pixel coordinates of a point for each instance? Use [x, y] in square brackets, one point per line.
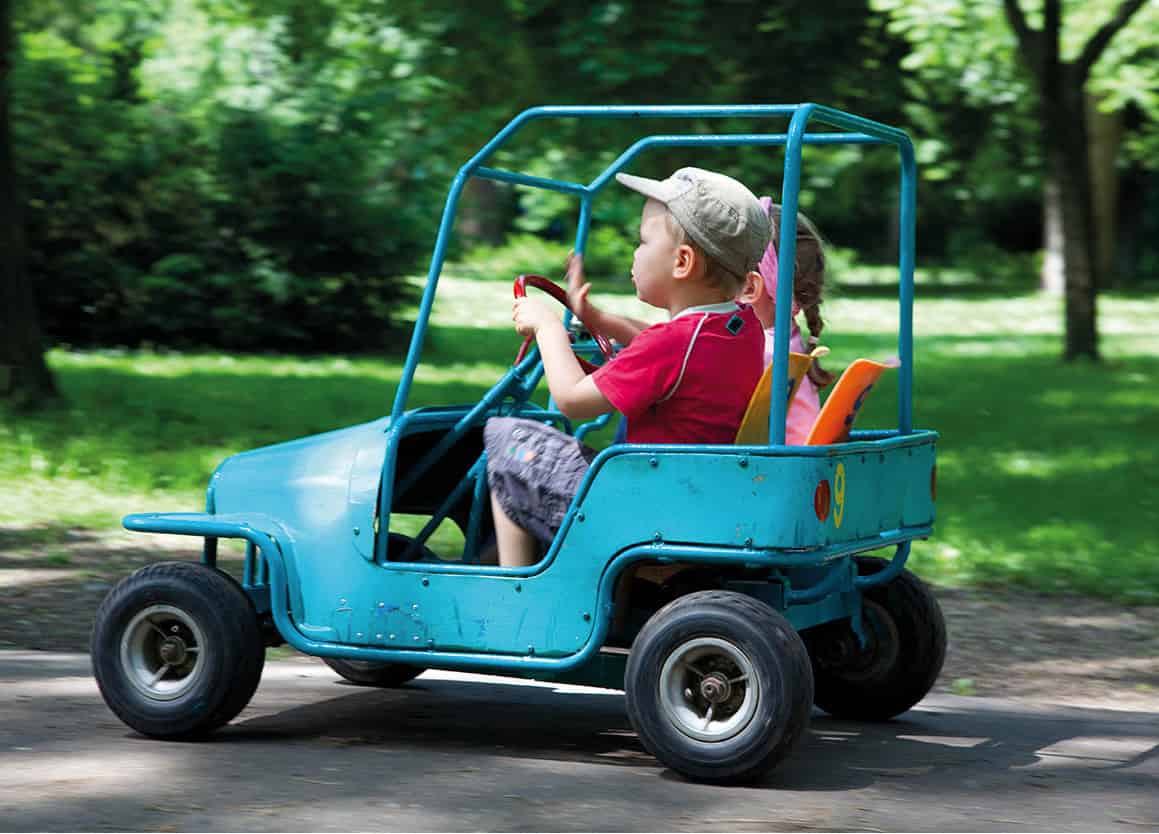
[880, 654]
[709, 689]
[162, 652]
[844, 656]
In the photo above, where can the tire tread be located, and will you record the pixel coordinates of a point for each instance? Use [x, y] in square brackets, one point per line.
[750, 618]
[243, 652]
[908, 596]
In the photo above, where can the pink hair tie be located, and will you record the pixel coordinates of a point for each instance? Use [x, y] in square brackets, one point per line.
[768, 264]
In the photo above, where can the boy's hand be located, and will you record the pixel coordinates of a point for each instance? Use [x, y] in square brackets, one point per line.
[530, 314]
[577, 288]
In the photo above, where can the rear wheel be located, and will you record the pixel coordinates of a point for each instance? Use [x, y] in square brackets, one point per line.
[904, 651]
[370, 673]
[177, 650]
[719, 686]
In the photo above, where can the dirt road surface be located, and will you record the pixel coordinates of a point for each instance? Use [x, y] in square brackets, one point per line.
[461, 752]
[1046, 717]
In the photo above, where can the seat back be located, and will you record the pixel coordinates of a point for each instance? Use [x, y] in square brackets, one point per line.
[835, 420]
[754, 428]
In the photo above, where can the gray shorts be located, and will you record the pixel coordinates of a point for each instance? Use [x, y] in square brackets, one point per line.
[534, 471]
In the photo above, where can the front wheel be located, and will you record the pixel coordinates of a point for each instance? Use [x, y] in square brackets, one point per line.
[719, 686]
[371, 673]
[177, 650]
[903, 655]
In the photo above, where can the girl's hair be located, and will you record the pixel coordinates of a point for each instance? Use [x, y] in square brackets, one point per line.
[808, 283]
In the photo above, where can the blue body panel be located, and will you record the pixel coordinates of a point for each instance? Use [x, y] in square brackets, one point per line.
[323, 489]
[637, 503]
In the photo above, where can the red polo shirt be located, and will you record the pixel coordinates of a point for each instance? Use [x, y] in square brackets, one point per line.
[688, 380]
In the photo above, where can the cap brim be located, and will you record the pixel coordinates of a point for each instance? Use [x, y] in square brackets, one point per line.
[655, 189]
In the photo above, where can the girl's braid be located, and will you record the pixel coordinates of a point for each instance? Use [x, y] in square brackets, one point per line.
[809, 286]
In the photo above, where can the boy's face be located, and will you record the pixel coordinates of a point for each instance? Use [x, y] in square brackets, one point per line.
[655, 257]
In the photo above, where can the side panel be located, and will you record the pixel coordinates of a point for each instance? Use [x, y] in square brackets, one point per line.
[724, 499]
[752, 500]
[477, 612]
[730, 498]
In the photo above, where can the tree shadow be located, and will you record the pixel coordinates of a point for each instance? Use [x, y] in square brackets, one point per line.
[929, 747]
[39, 535]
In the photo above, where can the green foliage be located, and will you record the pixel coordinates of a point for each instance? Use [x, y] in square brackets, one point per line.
[609, 256]
[995, 266]
[520, 253]
[1046, 473]
[610, 252]
[156, 217]
[1127, 79]
[258, 174]
[973, 107]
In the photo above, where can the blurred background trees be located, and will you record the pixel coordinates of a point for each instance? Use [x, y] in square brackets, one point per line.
[261, 174]
[1050, 60]
[24, 376]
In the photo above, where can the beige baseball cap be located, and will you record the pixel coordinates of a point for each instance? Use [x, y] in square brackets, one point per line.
[722, 216]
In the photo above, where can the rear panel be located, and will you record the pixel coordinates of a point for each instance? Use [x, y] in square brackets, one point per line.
[788, 500]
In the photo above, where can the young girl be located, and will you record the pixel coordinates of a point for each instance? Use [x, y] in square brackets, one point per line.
[808, 285]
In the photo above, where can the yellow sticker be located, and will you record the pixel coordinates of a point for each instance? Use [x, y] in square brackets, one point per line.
[839, 494]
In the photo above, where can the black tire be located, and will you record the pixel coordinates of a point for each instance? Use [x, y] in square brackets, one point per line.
[907, 646]
[665, 697]
[190, 605]
[370, 673]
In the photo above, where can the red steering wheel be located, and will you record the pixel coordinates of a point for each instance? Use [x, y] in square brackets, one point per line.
[559, 294]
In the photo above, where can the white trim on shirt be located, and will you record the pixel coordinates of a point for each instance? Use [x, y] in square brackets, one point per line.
[687, 353]
[718, 307]
[706, 310]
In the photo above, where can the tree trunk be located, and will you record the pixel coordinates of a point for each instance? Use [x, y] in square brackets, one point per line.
[1064, 112]
[484, 211]
[1053, 277]
[25, 379]
[1106, 134]
[1062, 105]
[1133, 190]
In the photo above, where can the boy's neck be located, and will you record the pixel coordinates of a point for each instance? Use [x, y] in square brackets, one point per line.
[694, 295]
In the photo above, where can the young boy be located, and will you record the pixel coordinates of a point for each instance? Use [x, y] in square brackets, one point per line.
[689, 380]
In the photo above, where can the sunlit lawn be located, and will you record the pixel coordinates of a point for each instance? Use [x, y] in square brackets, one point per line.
[1047, 472]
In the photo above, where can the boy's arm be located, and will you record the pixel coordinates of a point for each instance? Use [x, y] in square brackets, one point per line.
[622, 329]
[574, 392]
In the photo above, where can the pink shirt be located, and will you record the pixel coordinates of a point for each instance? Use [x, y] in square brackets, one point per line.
[806, 404]
[688, 380]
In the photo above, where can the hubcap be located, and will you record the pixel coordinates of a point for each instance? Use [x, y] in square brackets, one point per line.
[173, 651]
[715, 689]
[709, 690]
[161, 652]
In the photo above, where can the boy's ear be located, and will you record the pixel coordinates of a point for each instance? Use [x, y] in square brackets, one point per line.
[750, 291]
[688, 262]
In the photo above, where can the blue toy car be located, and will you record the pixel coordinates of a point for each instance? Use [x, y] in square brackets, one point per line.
[770, 605]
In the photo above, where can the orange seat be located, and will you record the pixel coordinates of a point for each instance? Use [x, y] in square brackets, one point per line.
[835, 420]
[754, 428]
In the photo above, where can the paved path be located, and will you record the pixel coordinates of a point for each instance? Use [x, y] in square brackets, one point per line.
[463, 752]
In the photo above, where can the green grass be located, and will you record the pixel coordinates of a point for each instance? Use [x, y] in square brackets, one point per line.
[1047, 472]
